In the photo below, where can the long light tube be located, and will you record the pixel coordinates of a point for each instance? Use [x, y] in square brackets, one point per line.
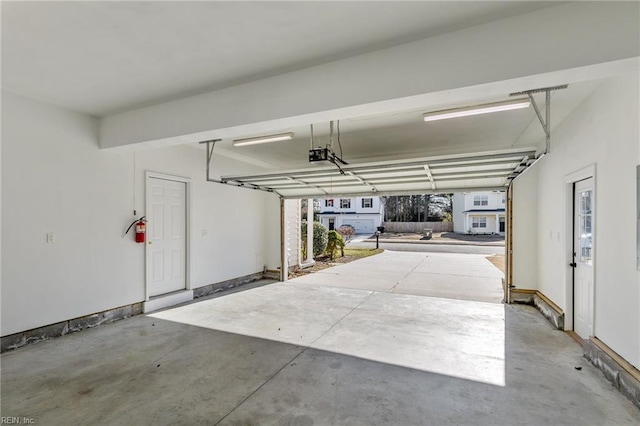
[477, 109]
[263, 139]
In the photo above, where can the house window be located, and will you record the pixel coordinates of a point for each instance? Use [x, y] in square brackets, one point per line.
[478, 222]
[345, 203]
[328, 203]
[480, 200]
[367, 203]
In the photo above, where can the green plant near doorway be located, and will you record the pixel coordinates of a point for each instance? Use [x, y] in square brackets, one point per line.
[335, 242]
[320, 238]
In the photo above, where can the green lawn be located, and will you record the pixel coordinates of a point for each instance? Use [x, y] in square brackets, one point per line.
[361, 252]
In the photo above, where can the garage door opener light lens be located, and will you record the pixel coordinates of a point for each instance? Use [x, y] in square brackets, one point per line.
[477, 109]
[263, 139]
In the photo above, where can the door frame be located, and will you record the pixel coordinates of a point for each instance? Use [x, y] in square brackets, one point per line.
[187, 240]
[570, 180]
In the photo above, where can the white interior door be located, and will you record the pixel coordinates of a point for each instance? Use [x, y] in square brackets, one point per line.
[166, 236]
[583, 282]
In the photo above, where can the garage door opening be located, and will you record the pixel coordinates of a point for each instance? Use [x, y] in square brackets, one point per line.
[337, 184]
[456, 260]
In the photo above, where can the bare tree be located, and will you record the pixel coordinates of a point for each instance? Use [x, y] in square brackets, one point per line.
[416, 208]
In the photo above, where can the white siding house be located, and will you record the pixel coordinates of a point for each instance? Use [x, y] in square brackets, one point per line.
[365, 214]
[479, 212]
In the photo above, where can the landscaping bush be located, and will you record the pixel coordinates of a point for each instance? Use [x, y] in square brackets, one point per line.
[320, 239]
[334, 243]
[347, 232]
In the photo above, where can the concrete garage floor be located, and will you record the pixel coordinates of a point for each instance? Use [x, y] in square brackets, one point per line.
[302, 353]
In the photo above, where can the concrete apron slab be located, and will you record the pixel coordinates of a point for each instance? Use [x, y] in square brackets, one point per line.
[380, 283]
[480, 289]
[377, 273]
[459, 264]
[447, 275]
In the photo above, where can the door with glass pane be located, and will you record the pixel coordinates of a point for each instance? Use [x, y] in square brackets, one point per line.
[583, 282]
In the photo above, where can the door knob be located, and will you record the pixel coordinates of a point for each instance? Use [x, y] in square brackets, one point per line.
[573, 264]
[149, 242]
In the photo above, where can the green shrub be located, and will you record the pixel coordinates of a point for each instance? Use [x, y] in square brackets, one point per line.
[334, 243]
[320, 239]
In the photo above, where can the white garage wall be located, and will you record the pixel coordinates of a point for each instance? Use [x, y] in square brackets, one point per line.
[56, 179]
[602, 131]
[525, 230]
[228, 234]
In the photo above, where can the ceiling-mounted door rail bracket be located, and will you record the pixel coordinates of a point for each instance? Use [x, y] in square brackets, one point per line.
[210, 146]
[546, 122]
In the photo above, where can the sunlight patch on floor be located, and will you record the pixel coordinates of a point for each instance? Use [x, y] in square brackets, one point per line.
[458, 338]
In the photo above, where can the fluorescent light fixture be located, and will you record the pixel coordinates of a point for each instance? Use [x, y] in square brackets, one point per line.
[263, 139]
[477, 109]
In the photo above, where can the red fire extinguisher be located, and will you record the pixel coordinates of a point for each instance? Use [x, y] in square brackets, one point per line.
[141, 230]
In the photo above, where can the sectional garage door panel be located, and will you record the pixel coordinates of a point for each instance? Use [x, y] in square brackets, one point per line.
[362, 226]
[492, 170]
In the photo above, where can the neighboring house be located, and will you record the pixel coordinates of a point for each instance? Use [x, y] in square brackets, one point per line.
[479, 212]
[365, 214]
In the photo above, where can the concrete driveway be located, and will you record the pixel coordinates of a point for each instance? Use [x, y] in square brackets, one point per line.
[445, 275]
[320, 350]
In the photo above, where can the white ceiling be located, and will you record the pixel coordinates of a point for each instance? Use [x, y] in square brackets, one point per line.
[103, 57]
[405, 134]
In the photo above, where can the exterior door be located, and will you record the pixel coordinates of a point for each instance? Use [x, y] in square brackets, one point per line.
[332, 224]
[166, 236]
[583, 282]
